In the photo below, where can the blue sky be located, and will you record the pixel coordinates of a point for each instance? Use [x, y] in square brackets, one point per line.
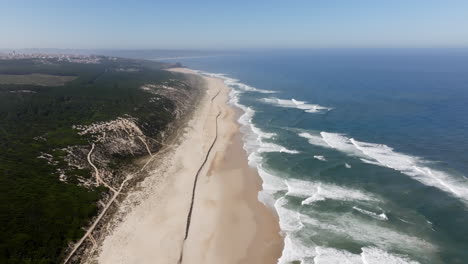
[208, 24]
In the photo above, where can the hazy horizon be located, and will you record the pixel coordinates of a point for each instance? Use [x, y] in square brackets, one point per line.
[209, 25]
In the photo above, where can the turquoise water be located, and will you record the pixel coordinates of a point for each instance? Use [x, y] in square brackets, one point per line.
[362, 153]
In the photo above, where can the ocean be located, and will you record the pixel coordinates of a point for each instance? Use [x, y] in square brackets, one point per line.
[363, 153]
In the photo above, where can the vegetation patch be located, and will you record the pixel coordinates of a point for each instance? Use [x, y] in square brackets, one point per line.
[35, 79]
[45, 201]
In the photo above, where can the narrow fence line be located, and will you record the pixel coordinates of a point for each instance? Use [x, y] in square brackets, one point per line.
[196, 179]
[189, 216]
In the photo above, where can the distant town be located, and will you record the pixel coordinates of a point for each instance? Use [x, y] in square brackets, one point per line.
[74, 58]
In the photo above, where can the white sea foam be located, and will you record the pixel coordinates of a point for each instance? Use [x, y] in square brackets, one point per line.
[289, 219]
[383, 155]
[381, 216]
[347, 166]
[295, 250]
[415, 168]
[292, 103]
[254, 141]
[369, 255]
[254, 138]
[325, 255]
[340, 142]
[320, 157]
[405, 221]
[335, 256]
[370, 162]
[317, 191]
[347, 226]
[235, 83]
[271, 147]
[271, 185]
[246, 120]
[316, 140]
[379, 256]
[342, 227]
[255, 144]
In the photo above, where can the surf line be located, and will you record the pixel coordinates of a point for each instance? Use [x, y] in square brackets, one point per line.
[194, 189]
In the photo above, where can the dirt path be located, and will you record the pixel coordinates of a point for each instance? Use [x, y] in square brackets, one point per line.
[93, 226]
[116, 193]
[146, 145]
[96, 171]
[88, 234]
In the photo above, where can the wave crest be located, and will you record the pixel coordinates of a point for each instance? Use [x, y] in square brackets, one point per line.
[317, 191]
[385, 156]
[292, 103]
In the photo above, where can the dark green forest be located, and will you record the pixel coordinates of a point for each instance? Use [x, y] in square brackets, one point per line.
[40, 215]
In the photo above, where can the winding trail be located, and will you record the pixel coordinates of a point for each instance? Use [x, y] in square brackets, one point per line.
[93, 226]
[93, 240]
[146, 145]
[88, 234]
[96, 171]
[99, 181]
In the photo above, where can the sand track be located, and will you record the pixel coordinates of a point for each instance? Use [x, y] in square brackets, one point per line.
[93, 226]
[96, 171]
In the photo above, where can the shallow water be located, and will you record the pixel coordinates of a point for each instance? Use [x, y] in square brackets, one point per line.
[362, 153]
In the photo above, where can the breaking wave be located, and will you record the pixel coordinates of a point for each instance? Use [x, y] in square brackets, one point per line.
[346, 227]
[369, 255]
[277, 190]
[292, 103]
[385, 156]
[381, 216]
[338, 227]
[320, 157]
[317, 191]
[335, 227]
[235, 83]
[256, 141]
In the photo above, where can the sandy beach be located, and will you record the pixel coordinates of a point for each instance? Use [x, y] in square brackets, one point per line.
[227, 225]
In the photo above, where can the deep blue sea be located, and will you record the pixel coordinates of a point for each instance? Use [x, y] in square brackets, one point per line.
[363, 153]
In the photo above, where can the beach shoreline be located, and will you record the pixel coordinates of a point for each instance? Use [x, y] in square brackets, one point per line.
[228, 224]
